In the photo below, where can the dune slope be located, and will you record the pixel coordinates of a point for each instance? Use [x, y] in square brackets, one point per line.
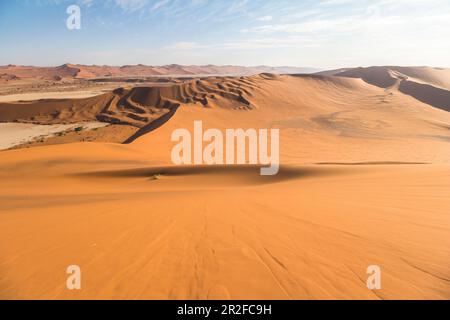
[364, 181]
[429, 85]
[137, 106]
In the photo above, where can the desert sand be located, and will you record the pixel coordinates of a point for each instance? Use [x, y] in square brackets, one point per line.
[70, 71]
[48, 95]
[364, 180]
[14, 134]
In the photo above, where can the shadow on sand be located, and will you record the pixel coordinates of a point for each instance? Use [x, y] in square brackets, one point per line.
[237, 173]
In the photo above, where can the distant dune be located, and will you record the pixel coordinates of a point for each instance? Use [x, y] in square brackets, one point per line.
[71, 71]
[429, 85]
[136, 106]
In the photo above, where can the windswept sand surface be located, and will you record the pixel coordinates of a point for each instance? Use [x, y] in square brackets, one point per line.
[309, 233]
[364, 181]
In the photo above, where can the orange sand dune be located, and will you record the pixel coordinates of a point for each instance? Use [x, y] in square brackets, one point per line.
[386, 76]
[364, 181]
[309, 105]
[71, 71]
[137, 106]
[429, 85]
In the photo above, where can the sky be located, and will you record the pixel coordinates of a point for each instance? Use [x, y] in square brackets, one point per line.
[305, 33]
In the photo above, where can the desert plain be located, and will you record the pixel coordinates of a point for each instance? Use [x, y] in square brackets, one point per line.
[364, 180]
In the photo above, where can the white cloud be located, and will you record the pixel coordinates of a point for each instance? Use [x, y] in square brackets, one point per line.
[306, 27]
[293, 41]
[265, 18]
[237, 5]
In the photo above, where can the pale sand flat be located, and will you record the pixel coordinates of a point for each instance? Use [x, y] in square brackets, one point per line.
[12, 134]
[49, 95]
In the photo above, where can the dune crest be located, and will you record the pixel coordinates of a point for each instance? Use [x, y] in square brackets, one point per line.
[315, 104]
[77, 71]
[136, 106]
[428, 85]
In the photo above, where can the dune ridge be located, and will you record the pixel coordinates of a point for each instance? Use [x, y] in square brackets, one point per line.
[429, 85]
[311, 103]
[137, 106]
[77, 71]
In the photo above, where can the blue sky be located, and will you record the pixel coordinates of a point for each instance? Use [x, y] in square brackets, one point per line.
[312, 33]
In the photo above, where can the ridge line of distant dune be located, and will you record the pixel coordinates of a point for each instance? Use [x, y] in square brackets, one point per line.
[427, 85]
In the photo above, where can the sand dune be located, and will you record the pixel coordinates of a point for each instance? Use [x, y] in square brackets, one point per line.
[364, 181]
[311, 103]
[69, 71]
[142, 231]
[49, 73]
[386, 76]
[429, 85]
[145, 108]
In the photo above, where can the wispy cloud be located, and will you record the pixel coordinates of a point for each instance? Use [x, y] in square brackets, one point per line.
[222, 30]
[159, 4]
[131, 5]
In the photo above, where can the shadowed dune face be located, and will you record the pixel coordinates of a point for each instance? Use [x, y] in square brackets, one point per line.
[428, 94]
[54, 111]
